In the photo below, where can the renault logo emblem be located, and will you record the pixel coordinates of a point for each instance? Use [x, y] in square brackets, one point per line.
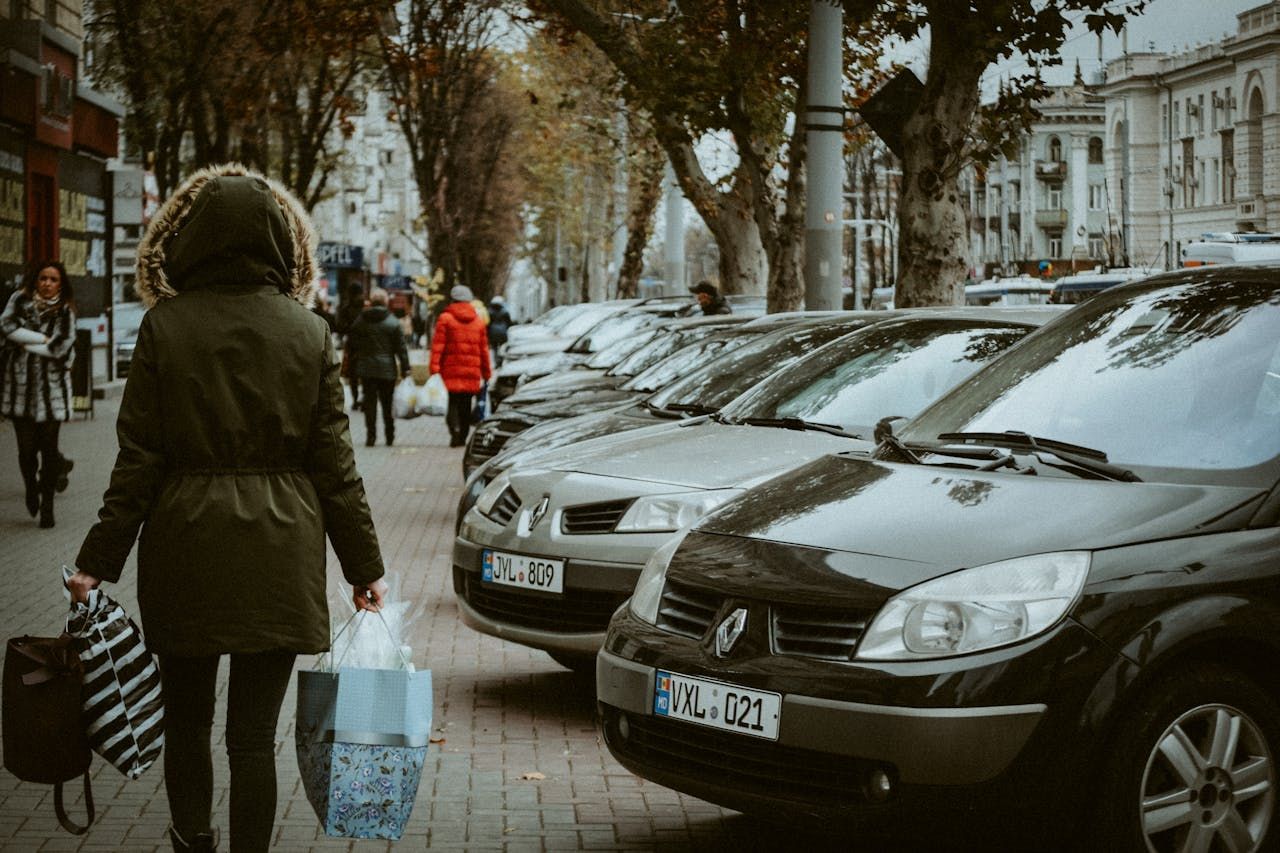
[536, 514]
[730, 630]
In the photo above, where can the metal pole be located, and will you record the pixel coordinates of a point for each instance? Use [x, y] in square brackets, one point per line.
[674, 240]
[824, 126]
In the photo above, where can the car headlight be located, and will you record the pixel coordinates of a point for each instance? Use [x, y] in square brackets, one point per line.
[648, 592]
[977, 609]
[660, 513]
[491, 493]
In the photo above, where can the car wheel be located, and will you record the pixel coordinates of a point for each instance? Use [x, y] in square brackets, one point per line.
[1193, 767]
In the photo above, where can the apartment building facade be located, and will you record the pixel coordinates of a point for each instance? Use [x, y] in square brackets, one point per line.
[1193, 139]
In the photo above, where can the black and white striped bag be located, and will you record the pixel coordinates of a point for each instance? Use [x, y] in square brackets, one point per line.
[122, 708]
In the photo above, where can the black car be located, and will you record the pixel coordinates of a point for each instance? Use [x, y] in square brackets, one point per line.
[1046, 611]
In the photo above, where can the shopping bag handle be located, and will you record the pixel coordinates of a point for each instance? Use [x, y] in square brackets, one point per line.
[394, 642]
[61, 811]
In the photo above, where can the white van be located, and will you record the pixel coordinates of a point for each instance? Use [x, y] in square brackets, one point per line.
[1231, 249]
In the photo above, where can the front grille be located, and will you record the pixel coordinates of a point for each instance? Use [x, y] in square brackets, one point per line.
[593, 518]
[576, 611]
[746, 764]
[489, 438]
[815, 632]
[687, 610]
[506, 507]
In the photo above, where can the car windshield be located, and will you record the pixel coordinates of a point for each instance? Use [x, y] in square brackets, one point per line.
[554, 319]
[674, 366]
[1181, 374]
[658, 348]
[584, 320]
[736, 372]
[611, 330]
[890, 369]
[619, 350]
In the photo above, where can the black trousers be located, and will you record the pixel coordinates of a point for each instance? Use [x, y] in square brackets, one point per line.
[378, 392]
[458, 417]
[254, 694]
[38, 456]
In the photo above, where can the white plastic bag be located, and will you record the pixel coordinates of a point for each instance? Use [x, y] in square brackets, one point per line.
[372, 640]
[404, 402]
[433, 398]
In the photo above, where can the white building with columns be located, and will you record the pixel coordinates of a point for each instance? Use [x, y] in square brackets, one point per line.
[1193, 140]
[1049, 201]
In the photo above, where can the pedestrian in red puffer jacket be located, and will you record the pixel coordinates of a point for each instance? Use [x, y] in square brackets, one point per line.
[460, 354]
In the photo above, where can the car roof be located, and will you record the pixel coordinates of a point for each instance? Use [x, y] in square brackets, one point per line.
[1030, 315]
[713, 320]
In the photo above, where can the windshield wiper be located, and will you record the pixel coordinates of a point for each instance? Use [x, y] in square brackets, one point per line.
[690, 408]
[799, 424]
[1085, 458]
[659, 411]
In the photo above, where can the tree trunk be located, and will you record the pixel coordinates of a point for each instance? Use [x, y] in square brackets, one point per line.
[933, 246]
[644, 191]
[744, 263]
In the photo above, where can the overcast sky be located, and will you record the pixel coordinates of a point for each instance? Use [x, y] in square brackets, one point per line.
[1168, 25]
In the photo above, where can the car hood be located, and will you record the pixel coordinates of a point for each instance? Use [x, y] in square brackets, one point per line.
[891, 526]
[580, 402]
[702, 454]
[537, 346]
[537, 365]
[564, 381]
[549, 436]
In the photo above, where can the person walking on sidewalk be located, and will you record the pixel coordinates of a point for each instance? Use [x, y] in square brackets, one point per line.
[379, 358]
[350, 307]
[710, 299]
[499, 327]
[460, 354]
[235, 460]
[38, 327]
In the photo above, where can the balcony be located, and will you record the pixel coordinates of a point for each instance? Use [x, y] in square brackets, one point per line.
[1251, 214]
[1051, 170]
[1051, 219]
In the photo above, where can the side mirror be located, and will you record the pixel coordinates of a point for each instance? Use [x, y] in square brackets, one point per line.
[884, 427]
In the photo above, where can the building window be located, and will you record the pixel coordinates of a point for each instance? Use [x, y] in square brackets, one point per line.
[1177, 118]
[1055, 149]
[1215, 104]
[1096, 249]
[1200, 115]
[1055, 247]
[1054, 199]
[1188, 173]
[1227, 104]
[1095, 196]
[1191, 108]
[1228, 166]
[1095, 149]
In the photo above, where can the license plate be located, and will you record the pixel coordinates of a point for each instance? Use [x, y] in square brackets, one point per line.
[717, 705]
[521, 571]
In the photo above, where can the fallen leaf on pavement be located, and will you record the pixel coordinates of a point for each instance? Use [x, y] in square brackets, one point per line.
[533, 776]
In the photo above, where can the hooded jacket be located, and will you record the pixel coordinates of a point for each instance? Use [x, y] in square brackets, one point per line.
[376, 345]
[235, 457]
[460, 349]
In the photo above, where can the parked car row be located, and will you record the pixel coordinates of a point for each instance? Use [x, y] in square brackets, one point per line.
[1013, 571]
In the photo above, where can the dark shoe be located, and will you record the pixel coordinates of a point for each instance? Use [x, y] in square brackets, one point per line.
[46, 512]
[370, 441]
[390, 440]
[33, 499]
[205, 842]
[63, 476]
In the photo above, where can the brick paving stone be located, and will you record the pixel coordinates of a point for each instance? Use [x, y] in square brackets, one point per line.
[503, 710]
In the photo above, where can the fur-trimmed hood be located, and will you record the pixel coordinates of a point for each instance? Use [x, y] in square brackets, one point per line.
[228, 225]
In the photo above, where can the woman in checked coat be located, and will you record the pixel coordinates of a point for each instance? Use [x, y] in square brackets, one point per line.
[235, 464]
[37, 332]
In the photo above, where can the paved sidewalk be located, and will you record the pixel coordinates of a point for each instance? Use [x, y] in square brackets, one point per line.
[502, 710]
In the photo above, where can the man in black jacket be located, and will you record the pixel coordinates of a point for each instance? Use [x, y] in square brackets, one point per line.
[710, 299]
[378, 358]
[499, 325]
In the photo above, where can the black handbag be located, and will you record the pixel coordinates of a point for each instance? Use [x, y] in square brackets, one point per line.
[44, 734]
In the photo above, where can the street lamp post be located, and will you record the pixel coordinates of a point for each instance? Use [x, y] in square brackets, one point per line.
[824, 127]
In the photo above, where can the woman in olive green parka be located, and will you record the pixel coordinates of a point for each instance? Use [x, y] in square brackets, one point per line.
[235, 462]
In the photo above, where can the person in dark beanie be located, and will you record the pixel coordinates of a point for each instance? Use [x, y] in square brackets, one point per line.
[710, 299]
[235, 462]
[37, 332]
[499, 326]
[378, 359]
[460, 354]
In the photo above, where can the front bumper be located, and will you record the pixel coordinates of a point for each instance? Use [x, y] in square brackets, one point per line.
[937, 746]
[572, 623]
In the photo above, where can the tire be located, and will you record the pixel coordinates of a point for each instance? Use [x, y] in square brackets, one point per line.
[1171, 781]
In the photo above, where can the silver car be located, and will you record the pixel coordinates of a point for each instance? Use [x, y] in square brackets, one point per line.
[546, 555]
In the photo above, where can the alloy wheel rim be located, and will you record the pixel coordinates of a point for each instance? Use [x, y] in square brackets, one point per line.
[1209, 784]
